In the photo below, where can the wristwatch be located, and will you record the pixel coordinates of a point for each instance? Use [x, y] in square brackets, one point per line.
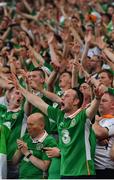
[29, 155]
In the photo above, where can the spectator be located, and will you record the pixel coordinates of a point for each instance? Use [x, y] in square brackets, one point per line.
[67, 119]
[104, 130]
[31, 149]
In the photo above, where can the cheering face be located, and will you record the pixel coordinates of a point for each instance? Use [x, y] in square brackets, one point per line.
[70, 65]
[69, 100]
[85, 89]
[35, 78]
[15, 98]
[18, 64]
[64, 80]
[105, 79]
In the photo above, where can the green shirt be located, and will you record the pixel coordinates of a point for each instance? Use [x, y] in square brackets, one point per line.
[111, 91]
[77, 143]
[54, 169]
[14, 120]
[26, 169]
[4, 135]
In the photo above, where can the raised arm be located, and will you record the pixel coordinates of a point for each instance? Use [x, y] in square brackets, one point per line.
[37, 55]
[27, 5]
[92, 109]
[34, 100]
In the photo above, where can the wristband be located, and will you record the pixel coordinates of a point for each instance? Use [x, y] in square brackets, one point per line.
[29, 155]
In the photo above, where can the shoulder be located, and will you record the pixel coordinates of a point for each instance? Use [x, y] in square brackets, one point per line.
[50, 141]
[55, 110]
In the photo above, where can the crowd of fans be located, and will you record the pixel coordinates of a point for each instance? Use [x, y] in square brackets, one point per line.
[56, 89]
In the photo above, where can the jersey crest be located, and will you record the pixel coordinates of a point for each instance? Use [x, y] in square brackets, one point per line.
[65, 136]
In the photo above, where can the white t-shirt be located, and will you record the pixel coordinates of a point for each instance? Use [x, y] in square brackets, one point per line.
[102, 156]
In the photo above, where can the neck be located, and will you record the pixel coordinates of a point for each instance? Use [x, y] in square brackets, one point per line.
[13, 107]
[72, 111]
[37, 89]
[66, 87]
[39, 135]
[108, 113]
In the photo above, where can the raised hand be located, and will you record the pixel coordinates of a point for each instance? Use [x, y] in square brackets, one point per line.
[50, 38]
[15, 81]
[88, 37]
[100, 43]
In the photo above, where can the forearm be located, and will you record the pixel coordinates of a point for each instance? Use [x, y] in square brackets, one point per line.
[112, 152]
[84, 54]
[92, 109]
[51, 80]
[100, 132]
[27, 108]
[52, 96]
[53, 54]
[38, 56]
[28, 7]
[109, 54]
[63, 12]
[4, 84]
[35, 100]
[34, 61]
[17, 156]
[74, 78]
[28, 16]
[12, 67]
[41, 164]
[4, 36]
[76, 35]
[65, 49]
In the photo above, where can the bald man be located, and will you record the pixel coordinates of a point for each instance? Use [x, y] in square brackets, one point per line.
[30, 153]
[104, 130]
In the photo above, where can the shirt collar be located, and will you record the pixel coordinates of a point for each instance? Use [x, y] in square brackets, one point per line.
[41, 139]
[75, 113]
[14, 110]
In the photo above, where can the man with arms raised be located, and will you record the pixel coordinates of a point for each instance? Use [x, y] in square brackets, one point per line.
[75, 132]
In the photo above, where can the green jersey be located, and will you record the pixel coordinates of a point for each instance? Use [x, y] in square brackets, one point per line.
[54, 169]
[35, 147]
[77, 143]
[4, 135]
[14, 121]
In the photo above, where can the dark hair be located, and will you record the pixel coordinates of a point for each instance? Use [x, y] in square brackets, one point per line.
[108, 71]
[79, 95]
[41, 70]
[107, 15]
[70, 74]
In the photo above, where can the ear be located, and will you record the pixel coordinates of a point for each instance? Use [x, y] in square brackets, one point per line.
[76, 102]
[42, 80]
[112, 105]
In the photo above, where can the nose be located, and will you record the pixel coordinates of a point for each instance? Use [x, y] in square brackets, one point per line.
[62, 98]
